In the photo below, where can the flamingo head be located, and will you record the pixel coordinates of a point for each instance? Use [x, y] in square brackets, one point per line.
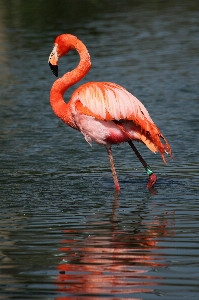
[62, 45]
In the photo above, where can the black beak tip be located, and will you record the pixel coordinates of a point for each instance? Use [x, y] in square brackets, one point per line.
[54, 69]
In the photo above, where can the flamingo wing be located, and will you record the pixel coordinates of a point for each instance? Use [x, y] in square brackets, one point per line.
[108, 101]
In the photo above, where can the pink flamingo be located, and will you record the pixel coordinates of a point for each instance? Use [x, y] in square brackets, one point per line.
[103, 112]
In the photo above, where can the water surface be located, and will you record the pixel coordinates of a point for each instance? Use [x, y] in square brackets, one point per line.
[64, 232]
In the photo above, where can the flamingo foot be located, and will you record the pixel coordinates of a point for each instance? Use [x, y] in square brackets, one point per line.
[152, 181]
[117, 188]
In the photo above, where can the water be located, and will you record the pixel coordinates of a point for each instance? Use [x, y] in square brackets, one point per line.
[64, 233]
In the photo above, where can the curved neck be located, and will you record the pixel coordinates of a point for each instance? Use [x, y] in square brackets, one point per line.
[60, 86]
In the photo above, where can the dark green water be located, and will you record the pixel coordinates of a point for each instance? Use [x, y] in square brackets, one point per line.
[64, 233]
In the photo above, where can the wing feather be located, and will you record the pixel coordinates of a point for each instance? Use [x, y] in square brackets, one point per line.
[109, 101]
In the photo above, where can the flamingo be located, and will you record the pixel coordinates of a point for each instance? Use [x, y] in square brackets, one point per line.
[103, 112]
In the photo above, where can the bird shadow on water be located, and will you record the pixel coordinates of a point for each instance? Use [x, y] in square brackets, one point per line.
[113, 254]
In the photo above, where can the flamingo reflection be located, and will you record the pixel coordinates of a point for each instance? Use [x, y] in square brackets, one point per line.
[112, 261]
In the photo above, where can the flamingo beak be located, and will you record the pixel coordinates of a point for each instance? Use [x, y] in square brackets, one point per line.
[53, 61]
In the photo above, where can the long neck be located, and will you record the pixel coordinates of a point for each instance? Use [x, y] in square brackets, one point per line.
[59, 106]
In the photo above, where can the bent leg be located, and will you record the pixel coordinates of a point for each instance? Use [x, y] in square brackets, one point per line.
[152, 176]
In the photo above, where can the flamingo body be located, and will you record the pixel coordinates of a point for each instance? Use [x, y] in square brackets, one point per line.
[103, 112]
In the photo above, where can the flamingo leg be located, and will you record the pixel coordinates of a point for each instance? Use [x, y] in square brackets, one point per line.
[152, 176]
[115, 179]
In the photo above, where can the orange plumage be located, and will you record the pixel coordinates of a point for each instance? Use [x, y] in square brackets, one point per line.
[103, 111]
